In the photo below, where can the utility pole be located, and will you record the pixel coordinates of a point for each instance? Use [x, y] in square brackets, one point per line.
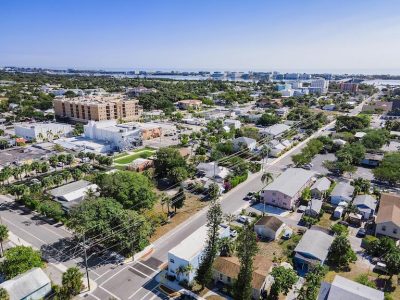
[86, 265]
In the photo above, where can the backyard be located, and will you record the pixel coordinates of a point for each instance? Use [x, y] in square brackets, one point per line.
[127, 158]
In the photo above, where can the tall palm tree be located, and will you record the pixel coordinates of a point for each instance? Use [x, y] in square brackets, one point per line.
[188, 269]
[180, 271]
[267, 177]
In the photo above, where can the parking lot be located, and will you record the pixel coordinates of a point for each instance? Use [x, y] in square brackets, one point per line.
[20, 154]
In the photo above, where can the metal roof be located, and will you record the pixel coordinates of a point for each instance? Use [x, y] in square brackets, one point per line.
[315, 243]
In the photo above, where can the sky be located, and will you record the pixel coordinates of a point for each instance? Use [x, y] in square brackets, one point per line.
[355, 36]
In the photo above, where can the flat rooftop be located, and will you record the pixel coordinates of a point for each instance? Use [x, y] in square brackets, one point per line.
[96, 99]
[192, 245]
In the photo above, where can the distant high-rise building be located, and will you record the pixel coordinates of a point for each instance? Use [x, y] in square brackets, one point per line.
[319, 86]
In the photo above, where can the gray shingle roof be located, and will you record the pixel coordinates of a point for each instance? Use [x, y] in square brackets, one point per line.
[275, 130]
[315, 243]
[365, 200]
[343, 189]
[321, 184]
[290, 181]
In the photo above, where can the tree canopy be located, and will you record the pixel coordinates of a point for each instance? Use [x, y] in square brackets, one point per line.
[20, 259]
[389, 168]
[132, 190]
[102, 216]
[170, 164]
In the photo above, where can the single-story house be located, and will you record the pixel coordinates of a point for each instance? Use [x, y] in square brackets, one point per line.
[339, 142]
[312, 249]
[33, 285]
[346, 289]
[226, 270]
[388, 217]
[140, 164]
[366, 205]
[211, 170]
[269, 227]
[372, 160]
[251, 144]
[190, 103]
[320, 187]
[314, 208]
[274, 131]
[232, 123]
[286, 189]
[189, 252]
[343, 191]
[73, 193]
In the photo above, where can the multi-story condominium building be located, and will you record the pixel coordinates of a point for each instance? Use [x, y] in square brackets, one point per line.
[319, 86]
[349, 87]
[97, 108]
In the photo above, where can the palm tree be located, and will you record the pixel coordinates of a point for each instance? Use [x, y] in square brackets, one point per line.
[90, 193]
[267, 177]
[188, 269]
[3, 237]
[66, 175]
[226, 247]
[165, 200]
[180, 271]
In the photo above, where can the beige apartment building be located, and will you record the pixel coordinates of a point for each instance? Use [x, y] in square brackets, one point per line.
[97, 108]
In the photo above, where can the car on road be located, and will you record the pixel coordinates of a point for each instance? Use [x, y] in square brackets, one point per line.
[113, 257]
[361, 233]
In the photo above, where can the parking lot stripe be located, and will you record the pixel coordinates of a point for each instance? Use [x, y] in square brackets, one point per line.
[107, 291]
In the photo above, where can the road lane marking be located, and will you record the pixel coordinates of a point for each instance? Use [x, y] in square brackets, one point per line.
[107, 291]
[148, 293]
[112, 276]
[136, 270]
[154, 270]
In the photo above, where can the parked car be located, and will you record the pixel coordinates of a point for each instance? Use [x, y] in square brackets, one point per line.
[243, 219]
[233, 233]
[344, 223]
[361, 233]
[287, 234]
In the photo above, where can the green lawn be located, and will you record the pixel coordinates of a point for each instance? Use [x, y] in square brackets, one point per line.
[144, 153]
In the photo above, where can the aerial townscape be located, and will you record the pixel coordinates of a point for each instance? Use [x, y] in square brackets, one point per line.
[213, 175]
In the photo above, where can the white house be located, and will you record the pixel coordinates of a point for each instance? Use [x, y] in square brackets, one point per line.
[189, 252]
[269, 227]
[274, 131]
[251, 144]
[211, 170]
[232, 123]
[42, 131]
